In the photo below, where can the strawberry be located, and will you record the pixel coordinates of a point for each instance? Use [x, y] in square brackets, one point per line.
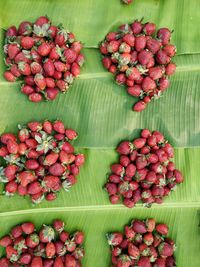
[36, 262]
[41, 21]
[11, 31]
[11, 253]
[26, 177]
[139, 106]
[52, 183]
[44, 49]
[114, 239]
[51, 158]
[58, 262]
[56, 169]
[58, 126]
[139, 227]
[6, 241]
[25, 259]
[49, 67]
[28, 228]
[70, 261]
[27, 42]
[164, 34]
[25, 28]
[58, 225]
[123, 261]
[4, 262]
[79, 238]
[40, 81]
[79, 160]
[15, 71]
[12, 147]
[51, 93]
[32, 240]
[24, 68]
[46, 234]
[50, 250]
[35, 67]
[13, 50]
[70, 55]
[162, 229]
[9, 76]
[165, 249]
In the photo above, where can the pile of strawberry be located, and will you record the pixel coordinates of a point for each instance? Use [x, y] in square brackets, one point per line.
[143, 244]
[41, 161]
[145, 171]
[140, 58]
[46, 57]
[51, 246]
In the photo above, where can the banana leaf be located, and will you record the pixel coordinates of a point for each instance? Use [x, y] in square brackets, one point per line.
[101, 112]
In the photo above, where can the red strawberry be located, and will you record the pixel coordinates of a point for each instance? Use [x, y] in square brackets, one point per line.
[42, 20]
[125, 148]
[49, 67]
[164, 34]
[13, 50]
[149, 28]
[79, 238]
[170, 50]
[9, 76]
[79, 160]
[24, 68]
[50, 250]
[8, 137]
[50, 82]
[56, 169]
[4, 262]
[58, 225]
[6, 241]
[15, 71]
[153, 45]
[32, 240]
[75, 69]
[27, 42]
[3, 151]
[70, 261]
[26, 177]
[165, 249]
[51, 93]
[140, 42]
[12, 147]
[10, 172]
[36, 262]
[67, 147]
[139, 227]
[170, 69]
[144, 261]
[162, 229]
[25, 259]
[46, 234]
[117, 169]
[11, 31]
[133, 251]
[58, 262]
[44, 49]
[51, 183]
[59, 127]
[115, 239]
[36, 67]
[70, 55]
[25, 28]
[11, 254]
[71, 134]
[123, 261]
[139, 106]
[28, 228]
[40, 81]
[34, 188]
[51, 158]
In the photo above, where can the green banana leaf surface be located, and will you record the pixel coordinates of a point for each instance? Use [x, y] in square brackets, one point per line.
[101, 112]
